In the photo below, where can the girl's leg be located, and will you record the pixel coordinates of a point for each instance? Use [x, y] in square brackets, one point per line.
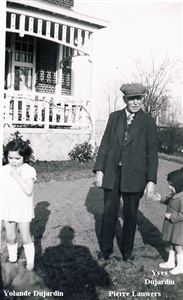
[178, 249]
[28, 244]
[170, 263]
[24, 228]
[179, 256]
[171, 247]
[12, 245]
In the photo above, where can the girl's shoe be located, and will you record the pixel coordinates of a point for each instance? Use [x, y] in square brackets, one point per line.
[170, 263]
[30, 266]
[12, 252]
[179, 268]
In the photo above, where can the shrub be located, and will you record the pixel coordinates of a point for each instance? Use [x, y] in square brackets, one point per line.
[170, 139]
[82, 152]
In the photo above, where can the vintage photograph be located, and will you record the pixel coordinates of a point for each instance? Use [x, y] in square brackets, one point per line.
[91, 203]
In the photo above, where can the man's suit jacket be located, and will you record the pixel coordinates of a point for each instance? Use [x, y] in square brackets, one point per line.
[138, 156]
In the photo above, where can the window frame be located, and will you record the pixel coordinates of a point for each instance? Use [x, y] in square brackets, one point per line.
[23, 64]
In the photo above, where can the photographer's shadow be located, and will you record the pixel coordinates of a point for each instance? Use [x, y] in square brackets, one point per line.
[38, 226]
[70, 269]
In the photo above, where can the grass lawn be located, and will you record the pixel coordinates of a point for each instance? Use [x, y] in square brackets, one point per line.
[62, 170]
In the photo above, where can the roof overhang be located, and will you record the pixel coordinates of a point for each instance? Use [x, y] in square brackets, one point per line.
[55, 11]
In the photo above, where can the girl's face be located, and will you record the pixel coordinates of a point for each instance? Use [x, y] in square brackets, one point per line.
[15, 159]
[171, 188]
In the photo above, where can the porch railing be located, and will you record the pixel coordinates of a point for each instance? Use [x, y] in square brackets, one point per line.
[38, 110]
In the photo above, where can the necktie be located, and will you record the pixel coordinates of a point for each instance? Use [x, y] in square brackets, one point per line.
[130, 118]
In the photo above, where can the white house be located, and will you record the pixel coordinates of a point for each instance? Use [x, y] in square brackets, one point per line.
[48, 82]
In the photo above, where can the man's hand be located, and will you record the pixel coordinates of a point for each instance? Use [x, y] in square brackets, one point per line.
[157, 197]
[99, 178]
[149, 190]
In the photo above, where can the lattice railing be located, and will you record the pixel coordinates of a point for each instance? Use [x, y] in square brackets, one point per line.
[44, 110]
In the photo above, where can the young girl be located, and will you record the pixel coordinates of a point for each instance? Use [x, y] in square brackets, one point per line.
[17, 201]
[173, 223]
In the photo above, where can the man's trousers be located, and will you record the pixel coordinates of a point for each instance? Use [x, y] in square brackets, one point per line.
[110, 216]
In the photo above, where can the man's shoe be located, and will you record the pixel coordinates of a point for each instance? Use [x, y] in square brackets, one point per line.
[103, 256]
[128, 258]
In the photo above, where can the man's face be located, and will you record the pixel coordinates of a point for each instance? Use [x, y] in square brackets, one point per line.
[133, 103]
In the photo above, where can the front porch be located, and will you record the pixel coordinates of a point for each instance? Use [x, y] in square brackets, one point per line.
[54, 124]
[49, 90]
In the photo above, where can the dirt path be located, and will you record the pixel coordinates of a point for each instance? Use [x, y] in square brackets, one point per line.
[66, 231]
[77, 204]
[66, 207]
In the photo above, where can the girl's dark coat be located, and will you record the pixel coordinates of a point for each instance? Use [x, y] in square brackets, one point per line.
[173, 229]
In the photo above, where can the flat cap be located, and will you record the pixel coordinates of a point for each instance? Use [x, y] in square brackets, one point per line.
[133, 89]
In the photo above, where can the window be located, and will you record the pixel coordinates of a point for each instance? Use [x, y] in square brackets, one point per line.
[23, 63]
[24, 49]
[20, 60]
[8, 62]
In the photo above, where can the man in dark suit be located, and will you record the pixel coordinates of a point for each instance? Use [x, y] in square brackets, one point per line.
[126, 165]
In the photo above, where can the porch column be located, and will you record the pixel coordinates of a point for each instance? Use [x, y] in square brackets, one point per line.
[2, 63]
[59, 70]
[81, 77]
[94, 83]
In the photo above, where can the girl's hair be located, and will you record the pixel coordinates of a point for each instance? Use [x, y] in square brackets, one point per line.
[176, 179]
[21, 146]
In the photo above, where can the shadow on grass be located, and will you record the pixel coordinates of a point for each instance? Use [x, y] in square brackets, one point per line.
[95, 205]
[149, 232]
[151, 235]
[38, 226]
[70, 269]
